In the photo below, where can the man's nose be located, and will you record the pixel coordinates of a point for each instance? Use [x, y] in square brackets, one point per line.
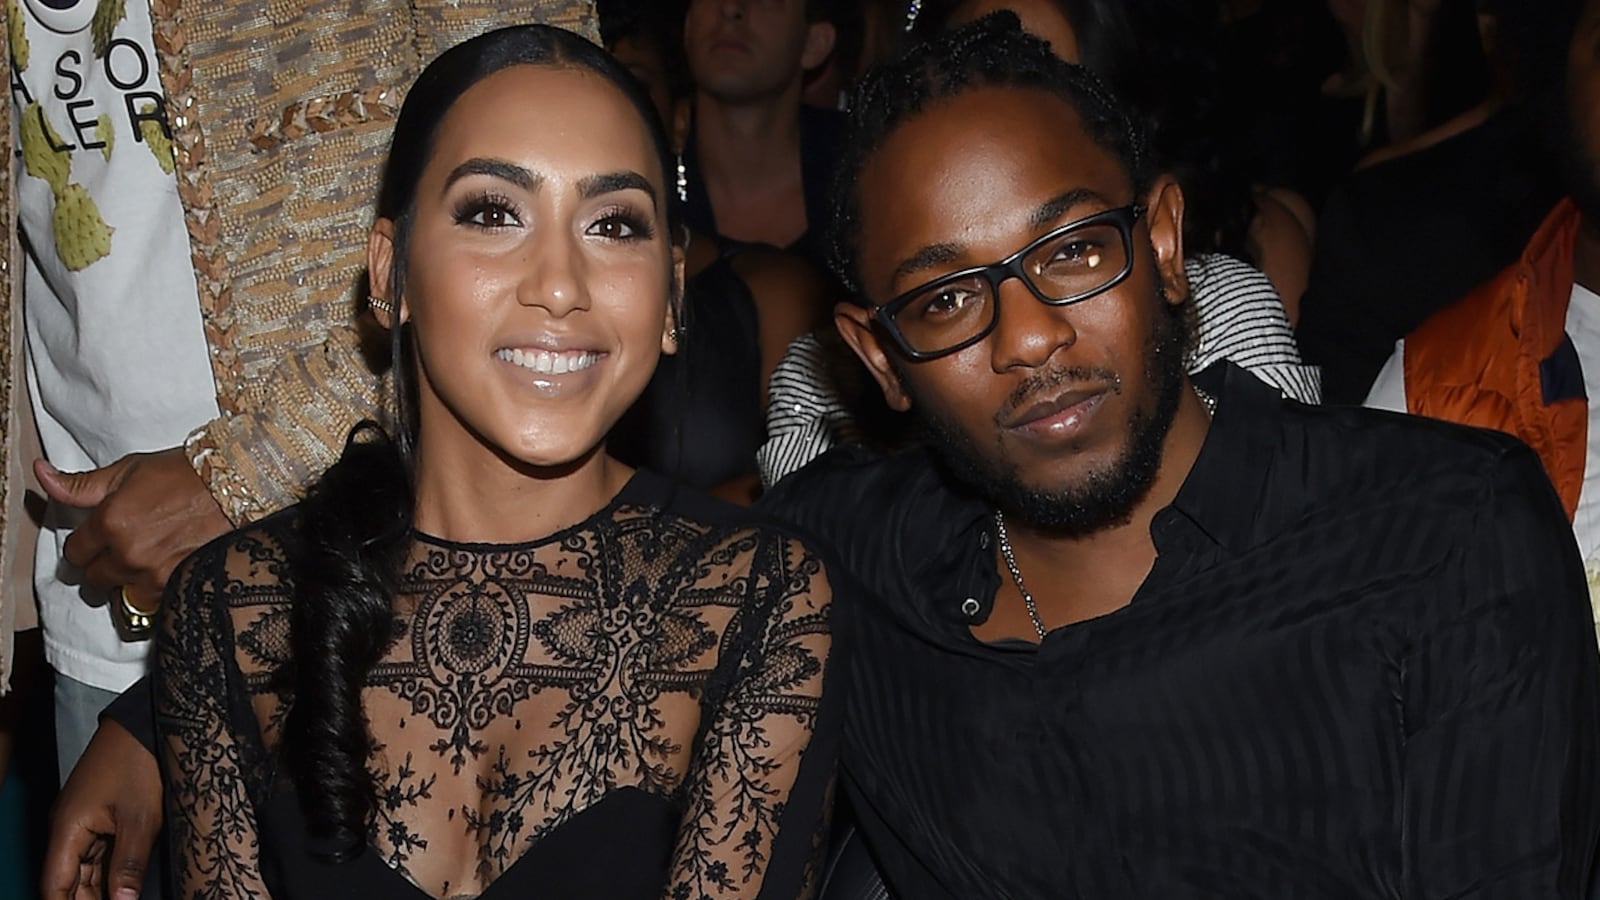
[1029, 331]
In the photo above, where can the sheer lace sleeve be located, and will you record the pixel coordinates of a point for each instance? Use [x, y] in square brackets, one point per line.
[757, 793]
[210, 767]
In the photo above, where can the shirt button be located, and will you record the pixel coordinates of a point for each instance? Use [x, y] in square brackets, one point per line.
[970, 606]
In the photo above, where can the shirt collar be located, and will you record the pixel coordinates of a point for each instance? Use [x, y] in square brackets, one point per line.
[1223, 496]
[1218, 504]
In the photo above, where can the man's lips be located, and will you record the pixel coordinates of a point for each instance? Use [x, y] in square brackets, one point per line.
[1054, 408]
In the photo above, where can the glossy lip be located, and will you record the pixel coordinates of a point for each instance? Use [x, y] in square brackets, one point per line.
[550, 343]
[1054, 413]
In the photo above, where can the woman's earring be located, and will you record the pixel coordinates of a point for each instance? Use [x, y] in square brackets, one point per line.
[683, 180]
[912, 13]
[381, 305]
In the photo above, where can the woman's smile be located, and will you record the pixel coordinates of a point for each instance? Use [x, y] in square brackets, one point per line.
[550, 362]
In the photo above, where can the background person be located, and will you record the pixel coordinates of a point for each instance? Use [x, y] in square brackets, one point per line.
[757, 163]
[1521, 352]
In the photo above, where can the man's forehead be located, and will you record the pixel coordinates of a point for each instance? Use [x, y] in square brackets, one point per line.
[1025, 129]
[972, 158]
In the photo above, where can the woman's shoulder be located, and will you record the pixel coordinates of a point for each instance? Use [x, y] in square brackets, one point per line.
[273, 537]
[255, 556]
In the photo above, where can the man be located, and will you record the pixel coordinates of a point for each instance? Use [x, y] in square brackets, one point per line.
[1115, 648]
[757, 164]
[1521, 353]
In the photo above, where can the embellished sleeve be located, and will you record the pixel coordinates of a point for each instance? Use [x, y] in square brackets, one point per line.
[759, 791]
[259, 459]
[207, 764]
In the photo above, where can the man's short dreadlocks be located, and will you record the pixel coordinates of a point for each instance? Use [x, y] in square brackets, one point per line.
[993, 51]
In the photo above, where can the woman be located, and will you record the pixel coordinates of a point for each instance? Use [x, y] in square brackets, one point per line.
[484, 658]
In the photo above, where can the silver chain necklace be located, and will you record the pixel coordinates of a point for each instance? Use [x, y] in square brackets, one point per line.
[1206, 400]
[1016, 574]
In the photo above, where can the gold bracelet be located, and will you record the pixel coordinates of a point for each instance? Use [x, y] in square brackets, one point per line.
[139, 622]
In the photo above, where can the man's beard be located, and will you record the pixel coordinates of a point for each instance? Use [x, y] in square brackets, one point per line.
[1105, 497]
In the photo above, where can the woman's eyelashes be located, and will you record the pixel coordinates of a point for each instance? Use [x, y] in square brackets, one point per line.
[622, 223]
[490, 211]
[487, 210]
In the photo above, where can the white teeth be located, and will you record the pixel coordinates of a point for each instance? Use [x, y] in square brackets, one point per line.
[546, 362]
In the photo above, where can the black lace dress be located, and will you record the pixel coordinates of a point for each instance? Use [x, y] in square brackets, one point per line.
[632, 707]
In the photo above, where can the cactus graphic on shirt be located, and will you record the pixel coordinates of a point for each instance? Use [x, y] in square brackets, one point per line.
[108, 14]
[17, 34]
[82, 236]
[155, 137]
[40, 155]
[105, 134]
[81, 233]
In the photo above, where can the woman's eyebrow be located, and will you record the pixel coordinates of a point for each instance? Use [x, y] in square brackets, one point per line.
[496, 168]
[595, 185]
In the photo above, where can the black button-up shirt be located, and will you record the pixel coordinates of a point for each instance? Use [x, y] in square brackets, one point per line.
[1361, 666]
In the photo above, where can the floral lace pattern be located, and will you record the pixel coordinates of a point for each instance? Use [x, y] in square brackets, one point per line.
[525, 684]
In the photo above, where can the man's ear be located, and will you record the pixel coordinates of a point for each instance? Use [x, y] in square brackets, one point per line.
[1164, 220]
[855, 326]
[820, 39]
[669, 332]
[380, 266]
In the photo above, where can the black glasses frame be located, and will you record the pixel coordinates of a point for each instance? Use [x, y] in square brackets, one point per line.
[998, 273]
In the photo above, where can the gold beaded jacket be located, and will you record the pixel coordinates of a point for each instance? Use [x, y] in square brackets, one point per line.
[280, 113]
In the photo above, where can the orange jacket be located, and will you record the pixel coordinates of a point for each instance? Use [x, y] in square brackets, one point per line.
[1500, 357]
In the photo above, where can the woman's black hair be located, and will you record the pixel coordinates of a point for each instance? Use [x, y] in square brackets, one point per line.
[355, 522]
[993, 51]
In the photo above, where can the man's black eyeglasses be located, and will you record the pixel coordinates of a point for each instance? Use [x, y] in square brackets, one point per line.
[1068, 265]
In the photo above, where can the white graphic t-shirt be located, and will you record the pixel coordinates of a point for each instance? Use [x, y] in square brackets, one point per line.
[116, 352]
